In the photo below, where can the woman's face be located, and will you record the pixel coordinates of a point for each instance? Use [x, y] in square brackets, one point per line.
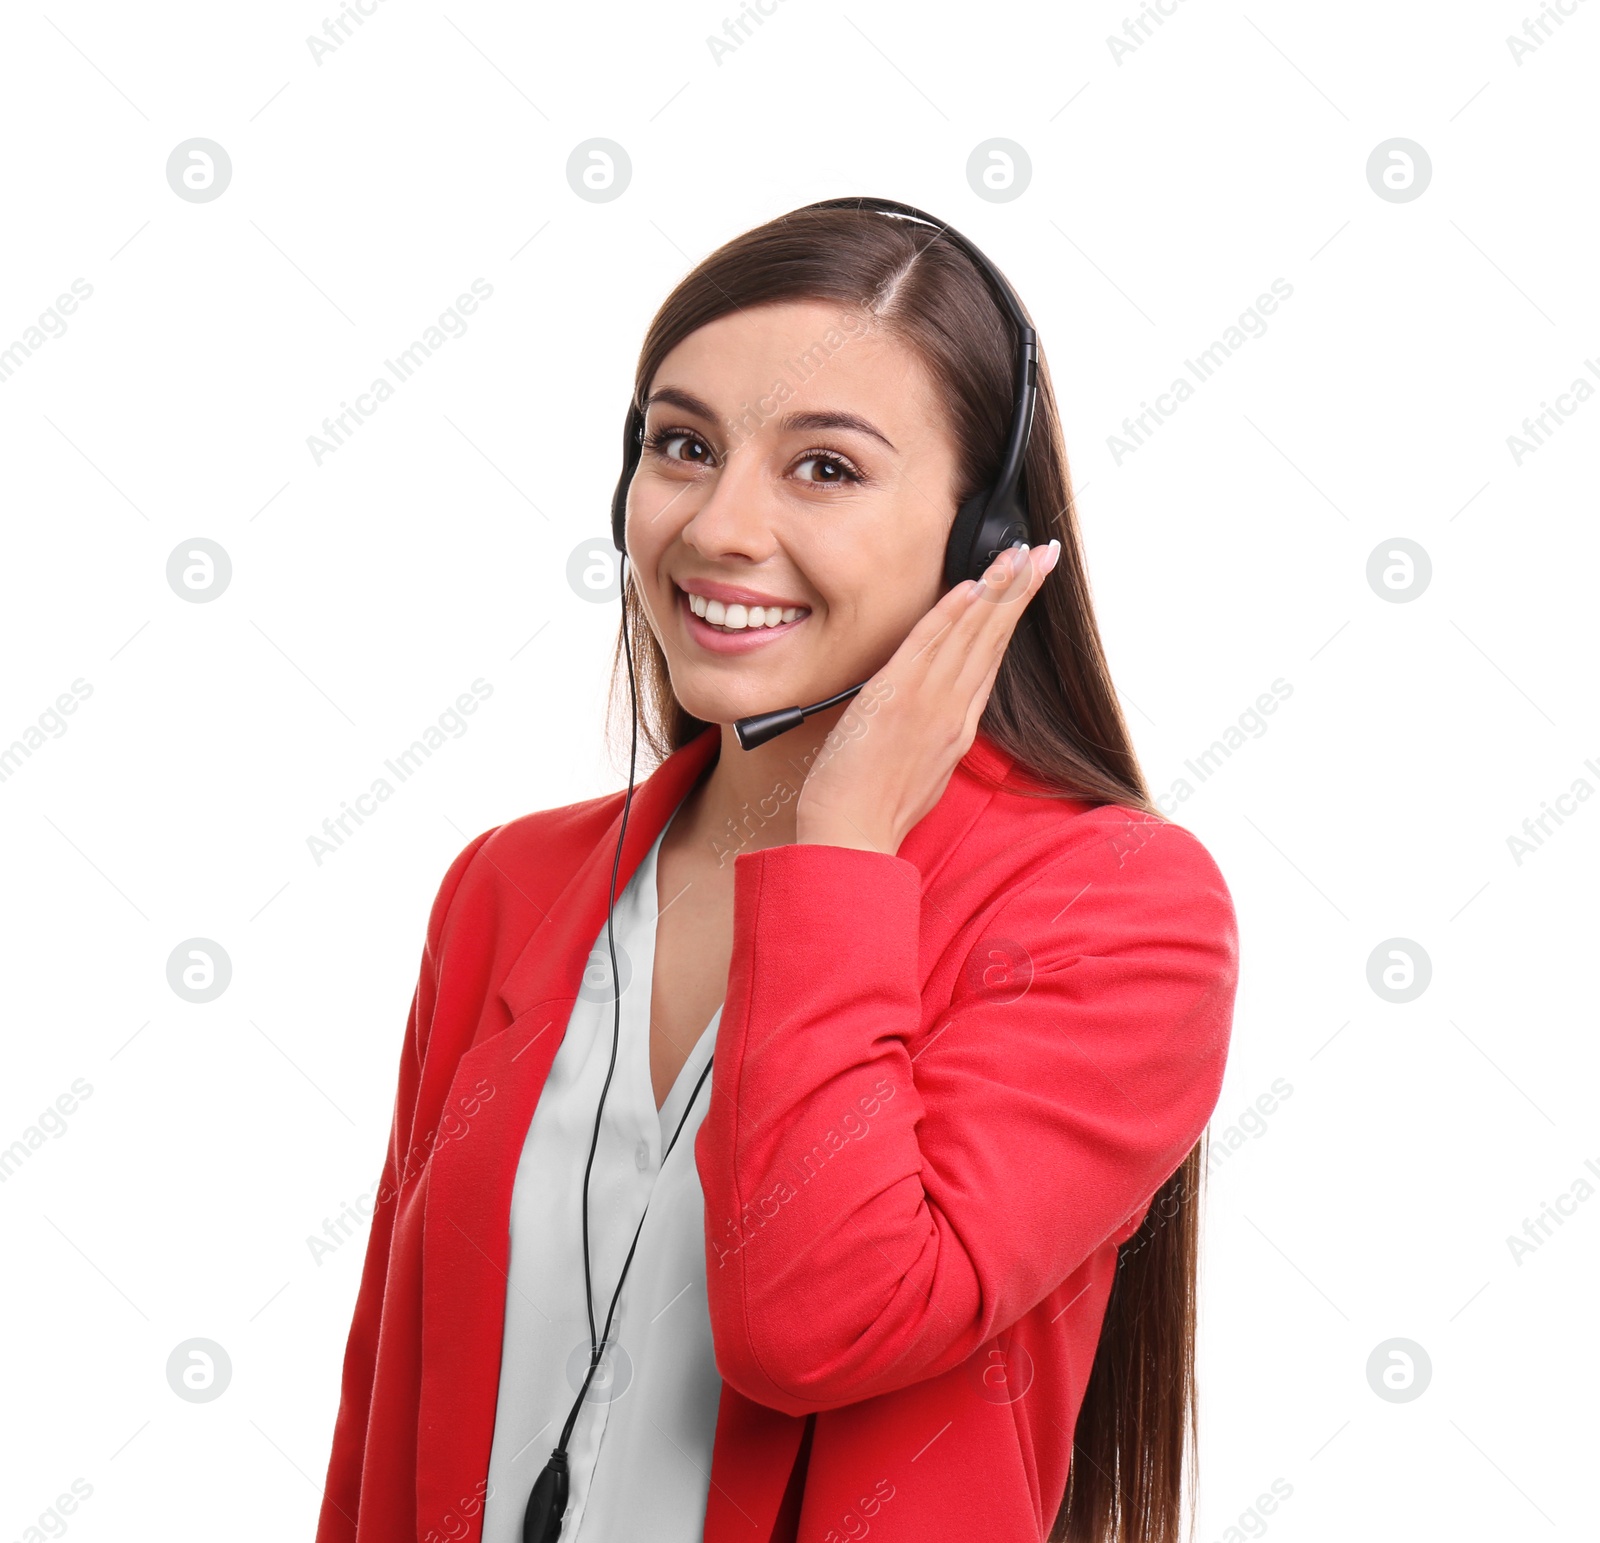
[787, 523]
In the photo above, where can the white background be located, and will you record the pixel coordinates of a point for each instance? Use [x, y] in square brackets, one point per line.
[1168, 190]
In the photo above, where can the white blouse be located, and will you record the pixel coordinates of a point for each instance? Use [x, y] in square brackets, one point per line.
[640, 1453]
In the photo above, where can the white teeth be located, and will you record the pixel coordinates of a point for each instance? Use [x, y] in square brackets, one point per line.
[741, 617]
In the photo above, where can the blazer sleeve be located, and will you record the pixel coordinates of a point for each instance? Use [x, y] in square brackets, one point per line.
[877, 1209]
[341, 1496]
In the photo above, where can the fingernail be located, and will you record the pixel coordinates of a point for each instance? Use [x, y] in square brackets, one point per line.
[1051, 557]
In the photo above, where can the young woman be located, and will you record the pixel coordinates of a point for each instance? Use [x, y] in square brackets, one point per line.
[840, 1178]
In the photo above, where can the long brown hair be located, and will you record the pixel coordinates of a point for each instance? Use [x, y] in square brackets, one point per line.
[1053, 709]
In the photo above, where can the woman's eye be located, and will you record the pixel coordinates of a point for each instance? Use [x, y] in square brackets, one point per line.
[663, 442]
[831, 469]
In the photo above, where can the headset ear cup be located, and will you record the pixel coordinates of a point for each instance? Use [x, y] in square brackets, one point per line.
[980, 534]
[632, 450]
[619, 516]
[958, 551]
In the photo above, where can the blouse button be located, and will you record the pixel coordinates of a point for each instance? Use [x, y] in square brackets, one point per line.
[641, 1154]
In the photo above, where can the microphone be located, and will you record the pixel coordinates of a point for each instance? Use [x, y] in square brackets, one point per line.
[759, 728]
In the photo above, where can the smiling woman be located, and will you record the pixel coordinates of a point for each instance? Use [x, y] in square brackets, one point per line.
[913, 1251]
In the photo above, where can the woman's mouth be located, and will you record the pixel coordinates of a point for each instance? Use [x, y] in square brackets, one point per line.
[734, 626]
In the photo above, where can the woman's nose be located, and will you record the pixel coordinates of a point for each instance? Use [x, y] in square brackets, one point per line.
[735, 518]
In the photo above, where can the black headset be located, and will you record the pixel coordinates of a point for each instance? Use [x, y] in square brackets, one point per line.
[994, 518]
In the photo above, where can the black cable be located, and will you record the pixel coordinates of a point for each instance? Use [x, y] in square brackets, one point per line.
[541, 1521]
[611, 944]
[606, 1332]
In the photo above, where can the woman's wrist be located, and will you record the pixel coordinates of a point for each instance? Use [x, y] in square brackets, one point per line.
[834, 830]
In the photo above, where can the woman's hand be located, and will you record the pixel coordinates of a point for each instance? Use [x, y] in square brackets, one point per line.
[889, 758]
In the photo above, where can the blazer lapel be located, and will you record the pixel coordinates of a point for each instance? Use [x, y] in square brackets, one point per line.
[551, 963]
[481, 1132]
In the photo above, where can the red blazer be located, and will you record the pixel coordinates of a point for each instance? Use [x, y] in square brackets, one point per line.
[946, 1086]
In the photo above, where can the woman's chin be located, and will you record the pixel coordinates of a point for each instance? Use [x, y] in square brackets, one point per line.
[755, 696]
[726, 715]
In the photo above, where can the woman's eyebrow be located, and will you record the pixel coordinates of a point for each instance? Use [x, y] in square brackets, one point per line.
[833, 420]
[687, 401]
